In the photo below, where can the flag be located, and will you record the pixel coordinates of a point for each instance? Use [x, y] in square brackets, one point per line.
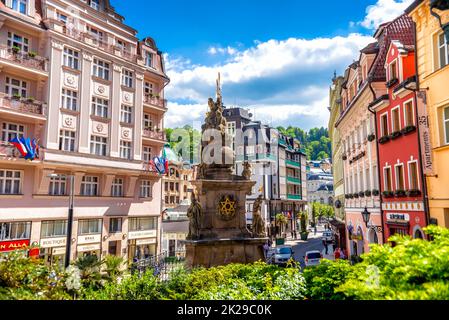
[19, 145]
[30, 150]
[164, 157]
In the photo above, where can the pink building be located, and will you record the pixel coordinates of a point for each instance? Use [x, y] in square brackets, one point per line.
[76, 78]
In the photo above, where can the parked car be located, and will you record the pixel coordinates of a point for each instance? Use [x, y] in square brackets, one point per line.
[282, 255]
[312, 258]
[328, 236]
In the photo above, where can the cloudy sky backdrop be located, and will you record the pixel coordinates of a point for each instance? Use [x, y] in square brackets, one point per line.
[275, 59]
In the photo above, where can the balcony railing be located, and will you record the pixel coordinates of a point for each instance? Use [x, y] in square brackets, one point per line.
[294, 197]
[294, 180]
[147, 133]
[22, 105]
[155, 101]
[9, 151]
[292, 163]
[25, 59]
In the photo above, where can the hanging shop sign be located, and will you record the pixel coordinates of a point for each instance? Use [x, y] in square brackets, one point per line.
[6, 246]
[92, 238]
[142, 234]
[424, 133]
[403, 217]
[58, 251]
[53, 242]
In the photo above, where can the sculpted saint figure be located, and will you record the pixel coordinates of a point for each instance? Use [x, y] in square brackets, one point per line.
[258, 222]
[194, 213]
[246, 173]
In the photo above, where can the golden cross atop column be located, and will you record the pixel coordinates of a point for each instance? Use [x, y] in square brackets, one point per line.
[219, 86]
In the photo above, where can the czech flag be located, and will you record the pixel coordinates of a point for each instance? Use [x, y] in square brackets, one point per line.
[20, 146]
[31, 155]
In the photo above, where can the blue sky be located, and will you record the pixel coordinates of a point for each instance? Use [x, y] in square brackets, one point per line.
[276, 58]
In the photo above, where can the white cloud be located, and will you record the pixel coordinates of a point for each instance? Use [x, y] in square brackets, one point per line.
[284, 81]
[384, 11]
[228, 50]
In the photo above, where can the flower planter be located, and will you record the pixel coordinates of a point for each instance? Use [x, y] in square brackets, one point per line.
[384, 139]
[400, 193]
[388, 194]
[413, 193]
[375, 192]
[371, 137]
[362, 194]
[304, 236]
[391, 83]
[356, 195]
[368, 193]
[408, 130]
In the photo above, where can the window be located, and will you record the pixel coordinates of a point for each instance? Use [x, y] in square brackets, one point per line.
[10, 181]
[69, 99]
[148, 88]
[117, 188]
[121, 45]
[125, 150]
[166, 200]
[387, 179]
[98, 145]
[393, 70]
[15, 87]
[400, 185]
[126, 114]
[15, 231]
[395, 121]
[91, 226]
[368, 179]
[95, 4]
[58, 185]
[89, 186]
[384, 125]
[446, 124]
[71, 58]
[149, 59]
[147, 122]
[443, 51]
[97, 35]
[144, 223]
[20, 6]
[146, 154]
[145, 189]
[100, 107]
[67, 140]
[166, 186]
[61, 17]
[53, 229]
[376, 178]
[12, 130]
[101, 69]
[115, 225]
[409, 114]
[172, 186]
[15, 40]
[413, 175]
[127, 78]
[231, 129]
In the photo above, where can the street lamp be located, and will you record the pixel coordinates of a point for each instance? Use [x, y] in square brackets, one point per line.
[441, 5]
[70, 218]
[366, 218]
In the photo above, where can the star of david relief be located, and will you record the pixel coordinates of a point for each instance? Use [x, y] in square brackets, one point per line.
[227, 208]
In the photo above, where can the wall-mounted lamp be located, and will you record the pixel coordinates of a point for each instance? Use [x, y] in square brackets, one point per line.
[124, 236]
[441, 5]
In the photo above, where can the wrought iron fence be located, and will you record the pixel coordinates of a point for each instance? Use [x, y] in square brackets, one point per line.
[162, 265]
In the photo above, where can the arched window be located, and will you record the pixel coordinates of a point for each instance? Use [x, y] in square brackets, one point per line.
[418, 234]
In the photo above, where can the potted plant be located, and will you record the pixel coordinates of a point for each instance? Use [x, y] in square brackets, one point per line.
[16, 96]
[384, 139]
[15, 49]
[346, 196]
[303, 219]
[408, 129]
[32, 54]
[351, 196]
[396, 135]
[30, 99]
[400, 193]
[281, 220]
[371, 137]
[375, 192]
[356, 195]
[368, 193]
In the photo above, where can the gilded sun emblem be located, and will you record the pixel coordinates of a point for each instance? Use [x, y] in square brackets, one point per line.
[227, 208]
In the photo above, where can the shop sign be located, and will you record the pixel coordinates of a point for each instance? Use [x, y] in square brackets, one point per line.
[89, 247]
[142, 234]
[398, 216]
[14, 245]
[58, 251]
[53, 242]
[145, 241]
[92, 238]
[356, 237]
[424, 134]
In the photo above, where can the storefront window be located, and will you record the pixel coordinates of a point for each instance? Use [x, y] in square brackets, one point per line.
[51, 229]
[145, 223]
[15, 230]
[90, 226]
[115, 225]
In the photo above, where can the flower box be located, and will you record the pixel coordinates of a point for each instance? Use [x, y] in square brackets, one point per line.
[356, 195]
[368, 193]
[362, 194]
[396, 135]
[392, 82]
[400, 193]
[375, 192]
[384, 139]
[371, 137]
[388, 194]
[351, 196]
[408, 129]
[413, 193]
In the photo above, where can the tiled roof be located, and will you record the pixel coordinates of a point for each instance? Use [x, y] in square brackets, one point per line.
[401, 29]
[371, 48]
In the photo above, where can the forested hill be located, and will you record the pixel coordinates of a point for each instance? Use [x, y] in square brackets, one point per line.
[316, 141]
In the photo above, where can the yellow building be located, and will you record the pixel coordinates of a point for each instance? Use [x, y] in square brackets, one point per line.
[433, 71]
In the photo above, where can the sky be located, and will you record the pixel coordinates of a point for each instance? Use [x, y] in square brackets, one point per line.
[276, 58]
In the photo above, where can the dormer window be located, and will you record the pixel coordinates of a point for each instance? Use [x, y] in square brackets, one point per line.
[393, 70]
[20, 6]
[95, 4]
[149, 59]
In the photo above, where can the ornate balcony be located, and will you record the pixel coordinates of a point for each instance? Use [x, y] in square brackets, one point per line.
[24, 59]
[23, 106]
[9, 152]
[147, 133]
[155, 101]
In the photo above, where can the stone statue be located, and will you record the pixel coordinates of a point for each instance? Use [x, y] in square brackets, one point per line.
[201, 174]
[258, 222]
[246, 173]
[194, 213]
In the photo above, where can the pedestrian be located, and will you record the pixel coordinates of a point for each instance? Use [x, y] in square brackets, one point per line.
[314, 230]
[296, 235]
[337, 254]
[342, 254]
[325, 246]
[265, 249]
[334, 245]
